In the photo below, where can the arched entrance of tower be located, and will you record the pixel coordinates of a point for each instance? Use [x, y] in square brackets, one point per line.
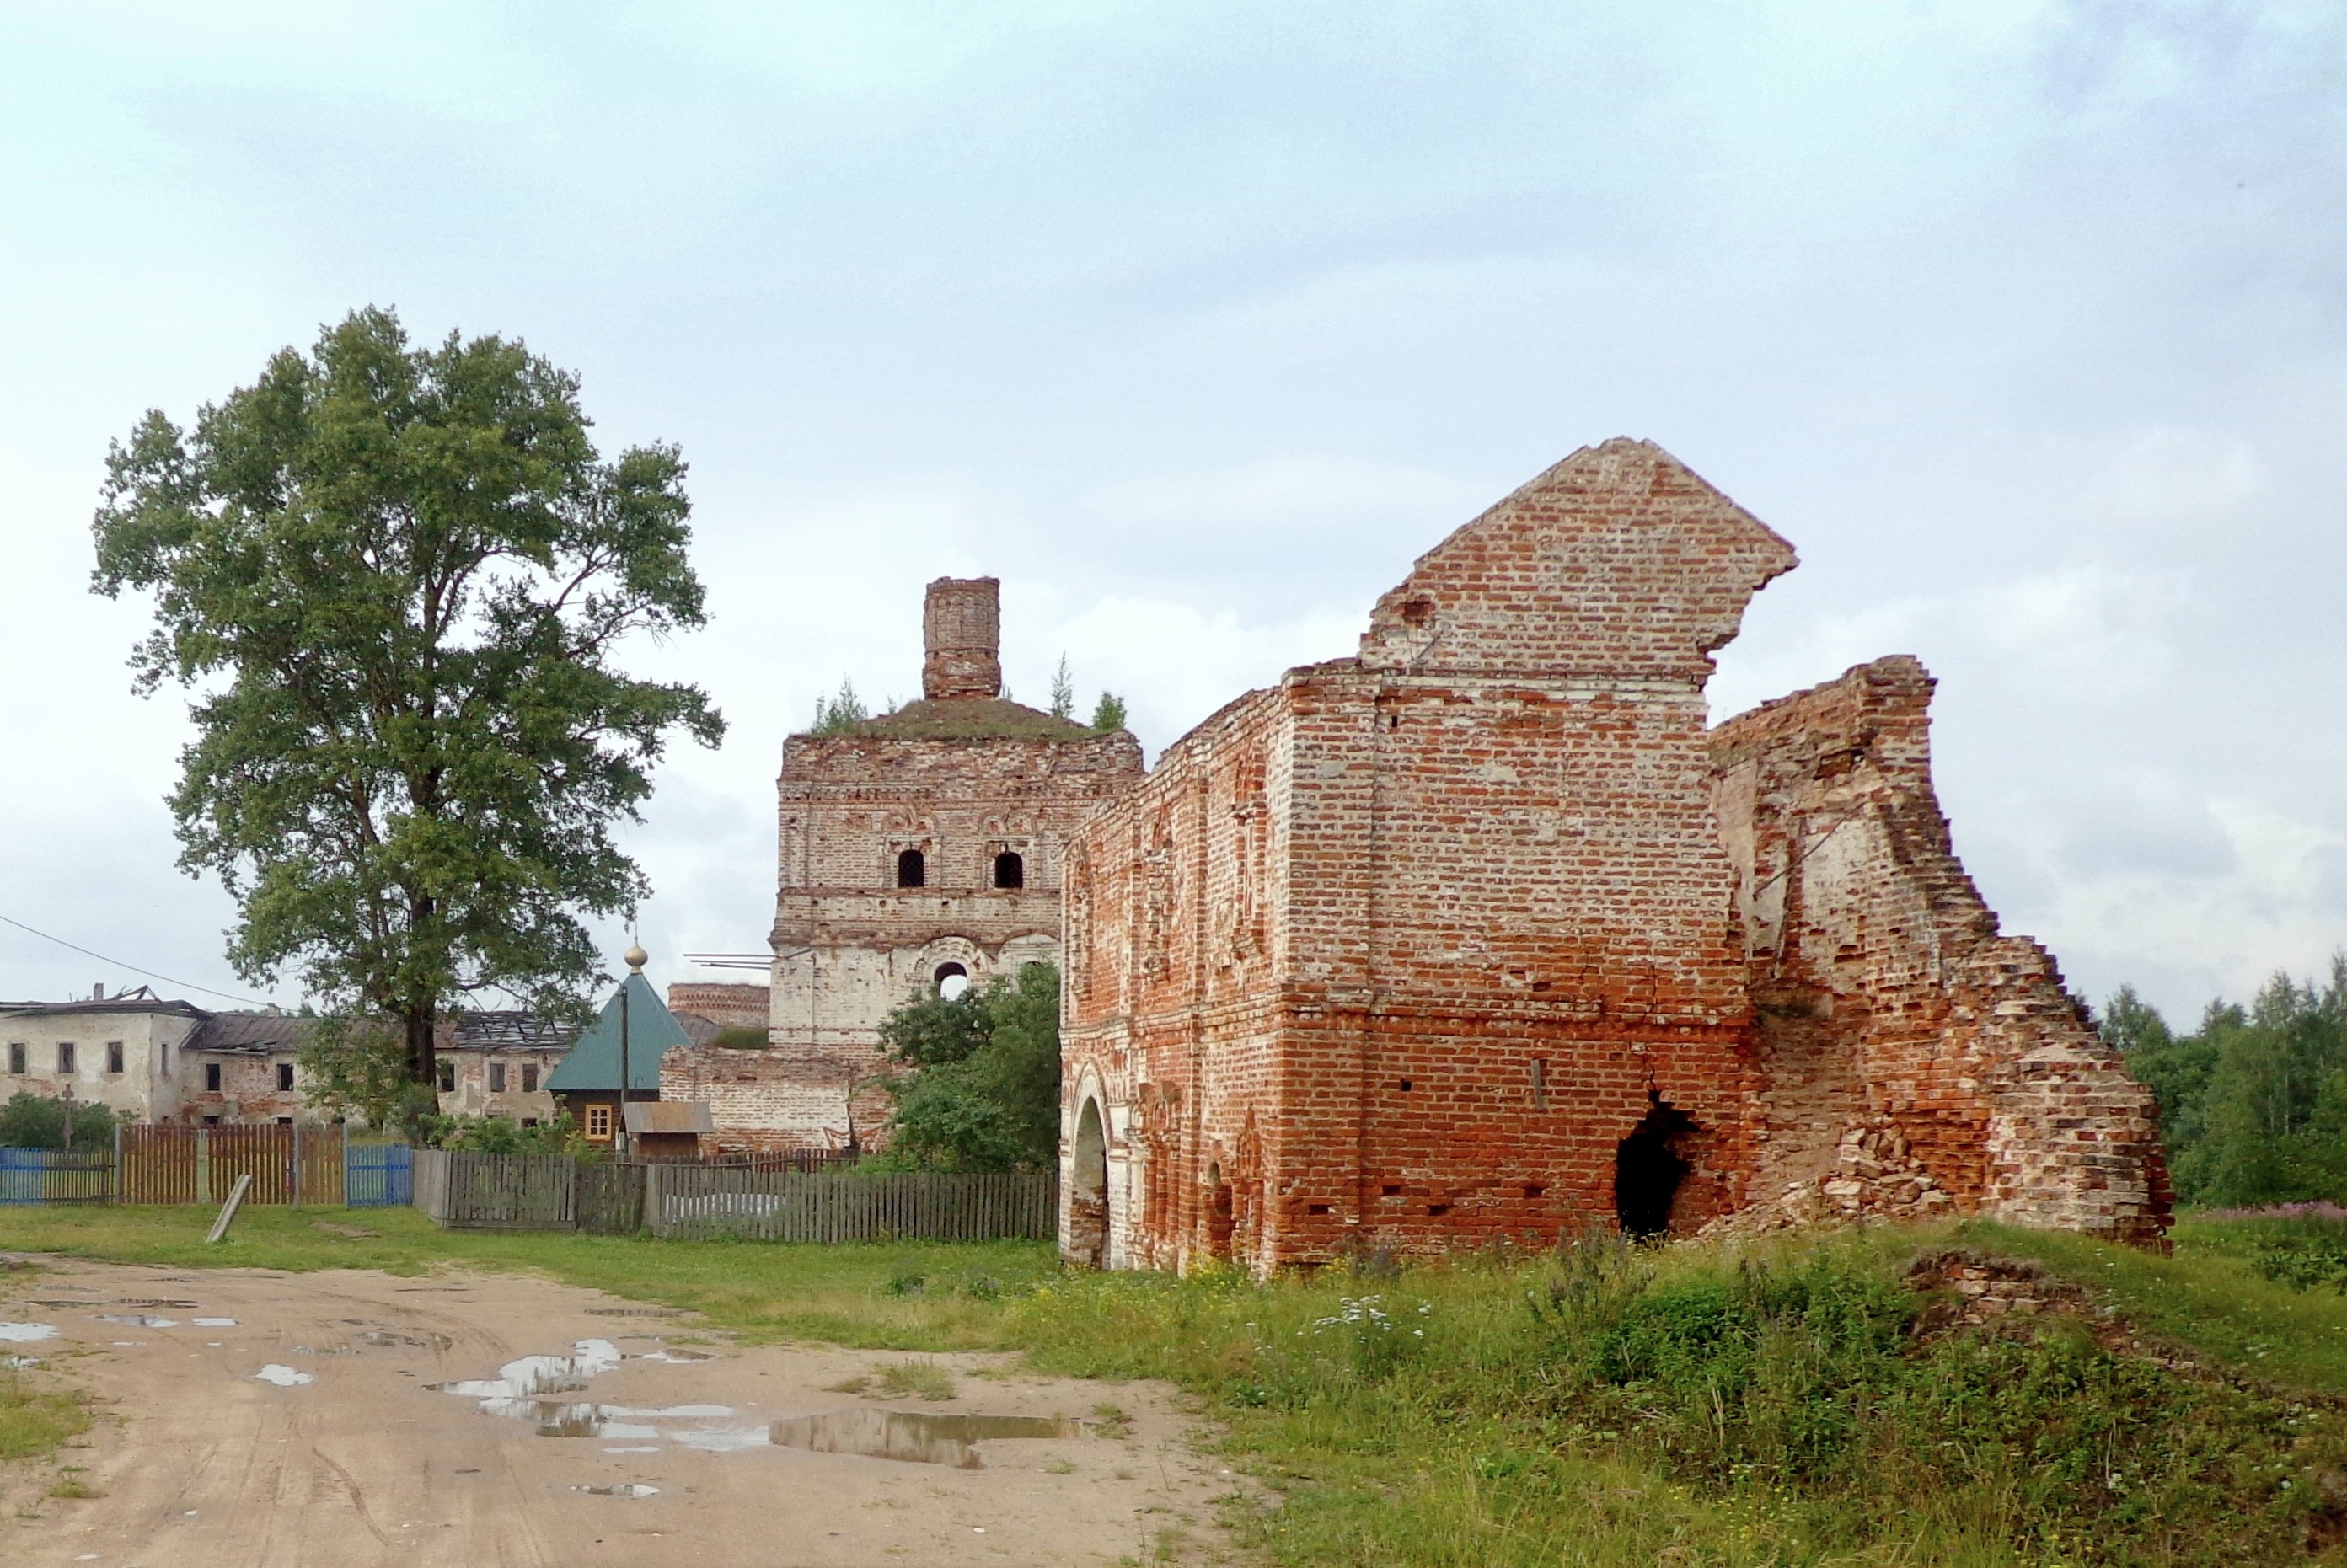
[1653, 1193]
[1087, 1190]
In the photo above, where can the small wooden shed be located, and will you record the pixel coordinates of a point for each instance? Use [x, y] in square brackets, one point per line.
[667, 1129]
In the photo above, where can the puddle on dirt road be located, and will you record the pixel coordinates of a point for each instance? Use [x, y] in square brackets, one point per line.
[620, 1488]
[534, 1375]
[678, 1358]
[918, 1439]
[518, 1393]
[19, 1363]
[25, 1333]
[137, 1319]
[389, 1339]
[213, 1322]
[283, 1377]
[585, 1419]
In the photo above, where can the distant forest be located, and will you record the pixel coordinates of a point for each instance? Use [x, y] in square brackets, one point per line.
[2252, 1102]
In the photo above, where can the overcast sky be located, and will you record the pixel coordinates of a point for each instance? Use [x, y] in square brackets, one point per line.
[1197, 324]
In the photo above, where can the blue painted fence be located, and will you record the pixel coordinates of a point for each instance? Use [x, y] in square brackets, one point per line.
[52, 1176]
[378, 1176]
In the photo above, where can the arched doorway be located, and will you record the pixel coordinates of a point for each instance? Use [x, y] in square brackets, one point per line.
[1088, 1190]
[1648, 1167]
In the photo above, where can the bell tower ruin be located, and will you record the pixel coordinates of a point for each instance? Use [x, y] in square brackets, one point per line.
[918, 853]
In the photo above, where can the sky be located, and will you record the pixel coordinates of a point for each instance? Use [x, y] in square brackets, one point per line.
[2025, 320]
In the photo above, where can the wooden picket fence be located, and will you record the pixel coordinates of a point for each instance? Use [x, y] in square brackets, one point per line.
[546, 1192]
[703, 1201]
[179, 1164]
[56, 1175]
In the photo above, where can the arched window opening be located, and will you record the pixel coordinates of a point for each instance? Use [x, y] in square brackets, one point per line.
[1648, 1167]
[912, 868]
[1088, 1190]
[952, 980]
[1009, 870]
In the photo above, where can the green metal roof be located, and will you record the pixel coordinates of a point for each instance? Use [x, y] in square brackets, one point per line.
[593, 1064]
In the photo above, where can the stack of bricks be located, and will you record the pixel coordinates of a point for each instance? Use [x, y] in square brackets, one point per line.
[1479, 935]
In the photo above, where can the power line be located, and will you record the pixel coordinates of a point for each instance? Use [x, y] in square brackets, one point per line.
[134, 968]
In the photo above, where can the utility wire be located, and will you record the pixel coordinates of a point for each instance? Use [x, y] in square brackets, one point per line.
[134, 968]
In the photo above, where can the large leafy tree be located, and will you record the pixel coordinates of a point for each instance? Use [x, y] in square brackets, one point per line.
[398, 581]
[982, 1089]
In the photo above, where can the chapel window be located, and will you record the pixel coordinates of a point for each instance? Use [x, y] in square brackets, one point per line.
[1009, 870]
[912, 868]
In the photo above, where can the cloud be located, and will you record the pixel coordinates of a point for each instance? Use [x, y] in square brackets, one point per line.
[2167, 476]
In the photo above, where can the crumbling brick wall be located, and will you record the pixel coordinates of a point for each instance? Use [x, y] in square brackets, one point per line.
[1916, 1061]
[727, 1005]
[774, 1101]
[248, 1092]
[1482, 936]
[1481, 913]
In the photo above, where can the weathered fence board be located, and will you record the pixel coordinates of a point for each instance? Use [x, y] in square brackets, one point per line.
[513, 1192]
[610, 1200]
[170, 1163]
[536, 1191]
[692, 1201]
[428, 1183]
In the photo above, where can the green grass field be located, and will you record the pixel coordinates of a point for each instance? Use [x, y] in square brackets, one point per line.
[1768, 1404]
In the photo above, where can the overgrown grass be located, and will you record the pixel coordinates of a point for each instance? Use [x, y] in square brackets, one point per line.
[36, 1421]
[1773, 1403]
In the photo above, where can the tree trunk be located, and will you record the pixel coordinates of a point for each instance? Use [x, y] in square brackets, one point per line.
[423, 1066]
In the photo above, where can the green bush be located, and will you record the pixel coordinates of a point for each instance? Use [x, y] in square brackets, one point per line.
[501, 1135]
[35, 1121]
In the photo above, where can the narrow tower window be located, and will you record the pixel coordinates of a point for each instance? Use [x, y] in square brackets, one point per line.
[1010, 870]
[912, 868]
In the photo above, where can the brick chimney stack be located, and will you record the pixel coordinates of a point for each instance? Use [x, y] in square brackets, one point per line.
[961, 632]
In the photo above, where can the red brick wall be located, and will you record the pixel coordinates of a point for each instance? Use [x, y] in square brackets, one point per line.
[1916, 1061]
[726, 1005]
[1397, 953]
[1486, 842]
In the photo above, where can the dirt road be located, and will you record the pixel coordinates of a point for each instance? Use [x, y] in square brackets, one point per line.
[313, 1420]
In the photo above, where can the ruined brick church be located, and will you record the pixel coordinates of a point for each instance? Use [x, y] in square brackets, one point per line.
[1485, 934]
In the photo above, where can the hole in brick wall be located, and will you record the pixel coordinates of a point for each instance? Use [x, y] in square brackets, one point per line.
[1406, 1086]
[1391, 1189]
[1648, 1169]
[1534, 1190]
[912, 868]
[1316, 1208]
[952, 980]
[1010, 870]
[1438, 1209]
